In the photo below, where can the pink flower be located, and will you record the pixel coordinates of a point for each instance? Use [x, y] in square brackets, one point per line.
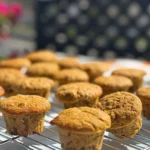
[15, 9]
[4, 9]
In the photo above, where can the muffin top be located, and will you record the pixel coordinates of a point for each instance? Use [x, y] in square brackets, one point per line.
[69, 62]
[25, 104]
[71, 75]
[82, 119]
[95, 69]
[33, 83]
[1, 91]
[113, 81]
[144, 92]
[9, 75]
[123, 107]
[42, 56]
[129, 72]
[16, 63]
[43, 69]
[73, 92]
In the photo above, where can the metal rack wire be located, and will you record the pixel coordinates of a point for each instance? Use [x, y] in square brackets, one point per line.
[49, 138]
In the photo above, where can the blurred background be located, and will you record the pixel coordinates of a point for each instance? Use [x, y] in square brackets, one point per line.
[101, 28]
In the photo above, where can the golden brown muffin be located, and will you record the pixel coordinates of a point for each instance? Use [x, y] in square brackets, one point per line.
[113, 84]
[95, 69]
[79, 94]
[33, 86]
[24, 114]
[81, 128]
[69, 62]
[144, 94]
[42, 56]
[128, 131]
[123, 107]
[136, 75]
[71, 75]
[2, 91]
[48, 70]
[16, 63]
[7, 78]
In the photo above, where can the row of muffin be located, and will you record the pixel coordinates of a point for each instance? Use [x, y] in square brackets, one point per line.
[85, 72]
[75, 123]
[79, 127]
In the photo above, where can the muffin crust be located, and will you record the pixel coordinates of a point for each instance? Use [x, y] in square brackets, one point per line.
[82, 119]
[74, 92]
[95, 69]
[24, 104]
[42, 56]
[16, 63]
[72, 75]
[69, 62]
[113, 82]
[34, 83]
[130, 73]
[43, 70]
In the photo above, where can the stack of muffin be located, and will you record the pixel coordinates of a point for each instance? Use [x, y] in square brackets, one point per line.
[93, 103]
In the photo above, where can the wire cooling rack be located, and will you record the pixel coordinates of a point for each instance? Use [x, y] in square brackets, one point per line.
[49, 138]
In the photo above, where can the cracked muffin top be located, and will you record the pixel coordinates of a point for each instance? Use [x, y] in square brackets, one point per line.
[123, 107]
[25, 104]
[16, 63]
[144, 92]
[74, 92]
[33, 83]
[71, 75]
[69, 62]
[129, 72]
[82, 119]
[43, 70]
[42, 56]
[95, 69]
[1, 91]
[113, 81]
[9, 75]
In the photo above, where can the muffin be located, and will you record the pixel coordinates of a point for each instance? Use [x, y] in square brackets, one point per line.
[136, 75]
[69, 62]
[95, 69]
[71, 75]
[128, 131]
[144, 94]
[124, 108]
[15, 63]
[33, 86]
[7, 78]
[48, 70]
[2, 91]
[81, 128]
[24, 114]
[78, 94]
[113, 84]
[42, 56]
